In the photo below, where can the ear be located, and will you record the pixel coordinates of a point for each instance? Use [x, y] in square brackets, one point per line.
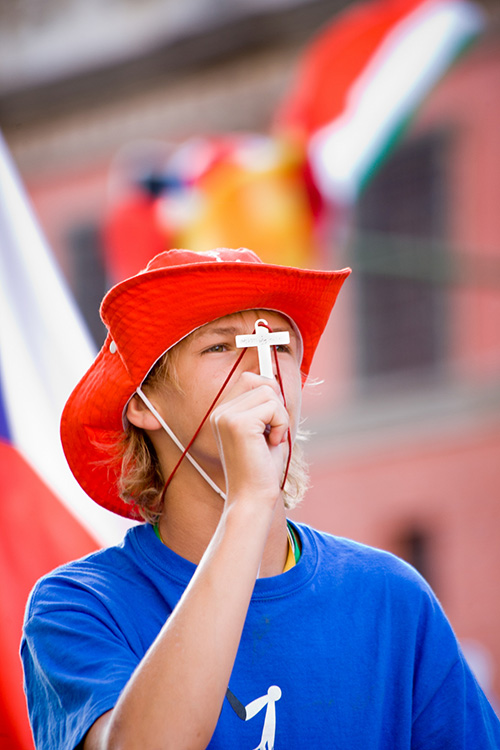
[139, 415]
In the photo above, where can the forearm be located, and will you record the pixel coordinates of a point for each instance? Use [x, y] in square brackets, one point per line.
[175, 696]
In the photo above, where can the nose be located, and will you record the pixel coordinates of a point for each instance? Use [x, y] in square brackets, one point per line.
[250, 362]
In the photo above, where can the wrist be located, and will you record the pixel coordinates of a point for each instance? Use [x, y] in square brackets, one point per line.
[243, 510]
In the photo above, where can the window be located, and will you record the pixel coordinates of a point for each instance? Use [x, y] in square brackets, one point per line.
[87, 273]
[414, 545]
[399, 223]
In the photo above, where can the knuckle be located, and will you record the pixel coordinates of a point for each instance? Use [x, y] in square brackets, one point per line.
[226, 420]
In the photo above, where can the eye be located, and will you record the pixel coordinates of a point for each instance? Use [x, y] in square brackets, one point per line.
[217, 348]
[283, 349]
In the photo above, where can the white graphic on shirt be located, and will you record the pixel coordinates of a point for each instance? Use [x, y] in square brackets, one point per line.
[247, 712]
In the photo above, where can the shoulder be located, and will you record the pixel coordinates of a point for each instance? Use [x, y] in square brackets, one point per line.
[384, 596]
[351, 564]
[92, 576]
[350, 553]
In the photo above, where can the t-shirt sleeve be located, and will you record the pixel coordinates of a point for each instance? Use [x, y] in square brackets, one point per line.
[450, 709]
[458, 715]
[76, 663]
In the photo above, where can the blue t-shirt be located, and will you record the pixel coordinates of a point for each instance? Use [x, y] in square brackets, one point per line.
[348, 650]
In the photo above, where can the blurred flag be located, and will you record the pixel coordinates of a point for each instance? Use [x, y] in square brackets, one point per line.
[248, 190]
[358, 85]
[362, 79]
[132, 234]
[45, 519]
[229, 190]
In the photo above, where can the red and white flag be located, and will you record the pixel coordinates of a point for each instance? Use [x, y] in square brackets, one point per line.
[362, 79]
[45, 518]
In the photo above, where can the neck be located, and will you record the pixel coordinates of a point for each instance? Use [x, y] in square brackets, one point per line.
[191, 514]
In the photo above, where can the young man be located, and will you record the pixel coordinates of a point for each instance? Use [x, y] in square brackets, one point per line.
[217, 623]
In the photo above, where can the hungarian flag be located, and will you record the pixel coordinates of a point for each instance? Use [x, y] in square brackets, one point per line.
[362, 79]
[45, 519]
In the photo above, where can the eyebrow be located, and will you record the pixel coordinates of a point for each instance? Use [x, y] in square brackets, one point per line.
[217, 330]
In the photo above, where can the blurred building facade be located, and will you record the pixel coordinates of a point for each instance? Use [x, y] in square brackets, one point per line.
[405, 445]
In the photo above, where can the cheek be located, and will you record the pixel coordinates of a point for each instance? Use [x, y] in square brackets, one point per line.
[200, 396]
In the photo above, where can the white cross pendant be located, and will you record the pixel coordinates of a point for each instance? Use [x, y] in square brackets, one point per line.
[263, 339]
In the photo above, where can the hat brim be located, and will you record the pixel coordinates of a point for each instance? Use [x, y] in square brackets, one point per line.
[148, 314]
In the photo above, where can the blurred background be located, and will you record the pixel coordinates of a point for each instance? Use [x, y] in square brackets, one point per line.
[137, 125]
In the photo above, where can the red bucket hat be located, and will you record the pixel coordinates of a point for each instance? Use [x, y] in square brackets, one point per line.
[149, 313]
